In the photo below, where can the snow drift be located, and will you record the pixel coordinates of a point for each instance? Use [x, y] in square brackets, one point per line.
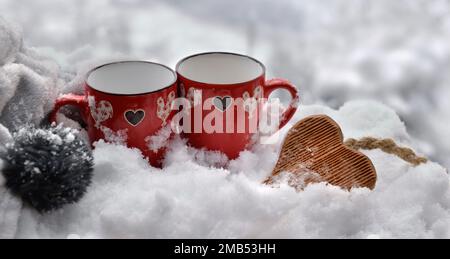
[188, 199]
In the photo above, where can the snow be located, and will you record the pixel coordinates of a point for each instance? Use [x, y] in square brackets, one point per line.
[118, 137]
[322, 47]
[159, 139]
[190, 199]
[53, 137]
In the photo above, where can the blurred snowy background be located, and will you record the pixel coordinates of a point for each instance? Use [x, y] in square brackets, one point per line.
[396, 52]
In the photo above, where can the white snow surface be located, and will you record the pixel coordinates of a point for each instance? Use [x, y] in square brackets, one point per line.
[188, 199]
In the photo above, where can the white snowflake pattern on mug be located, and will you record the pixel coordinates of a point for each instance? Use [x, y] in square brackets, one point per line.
[164, 107]
[119, 137]
[100, 112]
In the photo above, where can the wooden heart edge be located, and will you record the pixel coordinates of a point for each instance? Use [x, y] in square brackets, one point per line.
[358, 170]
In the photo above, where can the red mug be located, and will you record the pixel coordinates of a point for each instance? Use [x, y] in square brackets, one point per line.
[221, 77]
[126, 102]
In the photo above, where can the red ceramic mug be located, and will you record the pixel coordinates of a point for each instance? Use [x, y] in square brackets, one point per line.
[221, 77]
[126, 102]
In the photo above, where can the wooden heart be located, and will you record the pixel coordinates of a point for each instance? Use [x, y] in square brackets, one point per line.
[134, 117]
[222, 103]
[313, 151]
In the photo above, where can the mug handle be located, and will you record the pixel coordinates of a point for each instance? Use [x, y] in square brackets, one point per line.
[278, 83]
[79, 101]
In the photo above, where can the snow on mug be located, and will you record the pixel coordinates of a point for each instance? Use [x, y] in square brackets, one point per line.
[129, 103]
[226, 92]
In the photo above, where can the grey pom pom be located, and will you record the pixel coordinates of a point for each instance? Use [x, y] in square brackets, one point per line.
[48, 168]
